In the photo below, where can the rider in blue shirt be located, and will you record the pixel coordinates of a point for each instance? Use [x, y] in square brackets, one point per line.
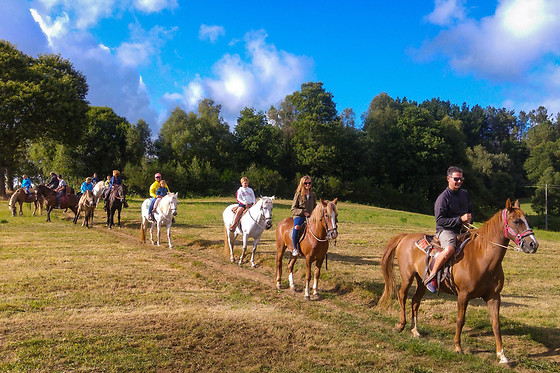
[115, 180]
[26, 184]
[87, 185]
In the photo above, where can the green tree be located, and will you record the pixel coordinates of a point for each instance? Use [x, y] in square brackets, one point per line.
[40, 98]
[257, 141]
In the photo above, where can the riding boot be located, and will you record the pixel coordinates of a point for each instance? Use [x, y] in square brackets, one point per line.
[295, 251]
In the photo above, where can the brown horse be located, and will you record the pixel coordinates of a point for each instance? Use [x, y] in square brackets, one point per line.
[87, 205]
[321, 227]
[20, 197]
[477, 271]
[115, 204]
[69, 201]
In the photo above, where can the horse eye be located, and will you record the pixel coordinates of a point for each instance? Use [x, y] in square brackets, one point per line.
[516, 221]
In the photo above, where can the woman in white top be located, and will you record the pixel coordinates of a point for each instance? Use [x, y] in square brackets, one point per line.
[245, 198]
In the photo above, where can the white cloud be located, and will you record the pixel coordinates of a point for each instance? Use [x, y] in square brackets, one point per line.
[51, 29]
[152, 6]
[518, 45]
[211, 33]
[447, 11]
[263, 80]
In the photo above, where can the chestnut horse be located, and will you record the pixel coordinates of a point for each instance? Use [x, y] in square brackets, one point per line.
[320, 228]
[477, 271]
[69, 201]
[21, 197]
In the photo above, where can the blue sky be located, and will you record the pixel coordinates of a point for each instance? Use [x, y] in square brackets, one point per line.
[145, 57]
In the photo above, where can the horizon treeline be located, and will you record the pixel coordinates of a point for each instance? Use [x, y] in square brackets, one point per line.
[397, 158]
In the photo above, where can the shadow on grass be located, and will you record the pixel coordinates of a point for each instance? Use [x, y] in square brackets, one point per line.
[358, 260]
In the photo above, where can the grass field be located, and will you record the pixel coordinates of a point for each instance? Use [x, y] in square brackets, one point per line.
[73, 299]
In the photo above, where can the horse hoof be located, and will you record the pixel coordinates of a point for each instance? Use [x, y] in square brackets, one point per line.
[278, 286]
[399, 327]
[232, 259]
[254, 265]
[306, 297]
[315, 297]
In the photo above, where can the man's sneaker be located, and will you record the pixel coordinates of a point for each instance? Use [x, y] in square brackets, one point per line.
[295, 252]
[432, 286]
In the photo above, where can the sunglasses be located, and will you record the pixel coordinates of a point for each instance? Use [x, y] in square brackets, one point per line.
[307, 183]
[458, 178]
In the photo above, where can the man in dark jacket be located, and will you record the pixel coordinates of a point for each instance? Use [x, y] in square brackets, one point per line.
[452, 209]
[53, 182]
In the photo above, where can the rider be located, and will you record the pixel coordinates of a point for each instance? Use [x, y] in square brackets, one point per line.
[245, 199]
[452, 209]
[94, 179]
[61, 189]
[160, 193]
[303, 205]
[53, 182]
[26, 184]
[115, 180]
[86, 185]
[153, 192]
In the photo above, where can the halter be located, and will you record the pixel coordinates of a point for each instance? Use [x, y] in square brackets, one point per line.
[508, 229]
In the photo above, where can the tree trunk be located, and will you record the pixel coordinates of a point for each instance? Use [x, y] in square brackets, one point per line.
[2, 182]
[10, 179]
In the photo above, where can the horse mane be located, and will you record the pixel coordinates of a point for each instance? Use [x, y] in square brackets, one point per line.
[317, 213]
[13, 199]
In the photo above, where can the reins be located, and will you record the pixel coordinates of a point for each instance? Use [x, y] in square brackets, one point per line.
[262, 214]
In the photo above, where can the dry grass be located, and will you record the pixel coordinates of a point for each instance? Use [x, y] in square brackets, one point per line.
[98, 300]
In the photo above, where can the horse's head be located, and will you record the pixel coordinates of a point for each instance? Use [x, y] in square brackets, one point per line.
[330, 216]
[517, 228]
[173, 202]
[266, 210]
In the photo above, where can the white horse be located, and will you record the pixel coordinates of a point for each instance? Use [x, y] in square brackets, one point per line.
[252, 224]
[163, 215]
[97, 189]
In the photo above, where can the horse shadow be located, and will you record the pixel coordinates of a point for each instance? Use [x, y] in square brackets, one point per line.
[356, 260]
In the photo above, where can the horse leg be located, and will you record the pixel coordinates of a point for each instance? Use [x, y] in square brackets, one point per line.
[494, 311]
[255, 243]
[318, 265]
[231, 243]
[416, 299]
[461, 310]
[152, 233]
[158, 231]
[244, 248]
[308, 264]
[280, 248]
[119, 215]
[291, 272]
[402, 293]
[169, 235]
[20, 209]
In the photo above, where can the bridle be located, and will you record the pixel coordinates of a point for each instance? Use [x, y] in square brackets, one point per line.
[268, 221]
[518, 236]
[326, 226]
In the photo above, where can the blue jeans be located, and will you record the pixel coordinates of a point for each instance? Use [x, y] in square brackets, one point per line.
[298, 220]
[151, 207]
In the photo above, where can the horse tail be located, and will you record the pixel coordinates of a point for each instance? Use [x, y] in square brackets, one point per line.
[387, 268]
[226, 240]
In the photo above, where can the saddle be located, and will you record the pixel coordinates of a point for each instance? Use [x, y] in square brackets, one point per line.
[431, 246]
[234, 210]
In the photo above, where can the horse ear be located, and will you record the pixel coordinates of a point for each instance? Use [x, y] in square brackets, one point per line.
[272, 198]
[335, 200]
[323, 202]
[516, 204]
[508, 204]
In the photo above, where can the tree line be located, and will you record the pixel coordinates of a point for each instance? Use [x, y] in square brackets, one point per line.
[397, 158]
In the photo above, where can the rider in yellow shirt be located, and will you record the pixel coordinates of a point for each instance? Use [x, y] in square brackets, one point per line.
[154, 187]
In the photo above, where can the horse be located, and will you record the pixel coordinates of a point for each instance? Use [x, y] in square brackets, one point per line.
[321, 227]
[114, 204]
[20, 196]
[477, 270]
[98, 191]
[252, 224]
[87, 205]
[163, 214]
[67, 201]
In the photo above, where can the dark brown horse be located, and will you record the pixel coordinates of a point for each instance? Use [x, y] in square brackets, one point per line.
[320, 228]
[87, 205]
[68, 201]
[477, 271]
[21, 197]
[115, 204]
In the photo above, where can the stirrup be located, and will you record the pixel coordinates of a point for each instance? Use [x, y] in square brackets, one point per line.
[430, 277]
